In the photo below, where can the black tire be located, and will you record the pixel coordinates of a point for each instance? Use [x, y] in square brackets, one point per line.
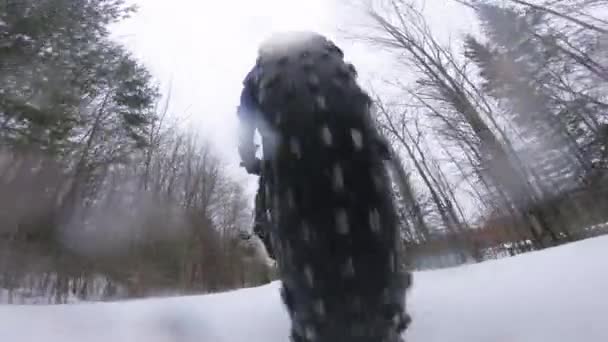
[334, 224]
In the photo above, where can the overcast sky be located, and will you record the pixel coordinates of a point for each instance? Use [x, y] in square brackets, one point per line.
[205, 47]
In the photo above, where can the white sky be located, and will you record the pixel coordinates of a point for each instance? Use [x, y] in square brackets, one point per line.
[206, 47]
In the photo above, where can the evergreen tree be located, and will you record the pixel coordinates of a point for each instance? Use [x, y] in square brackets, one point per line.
[58, 67]
[517, 70]
[551, 79]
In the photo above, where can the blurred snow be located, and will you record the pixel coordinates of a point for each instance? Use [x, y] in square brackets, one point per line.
[556, 295]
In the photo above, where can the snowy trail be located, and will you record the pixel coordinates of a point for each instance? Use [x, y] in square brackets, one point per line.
[558, 295]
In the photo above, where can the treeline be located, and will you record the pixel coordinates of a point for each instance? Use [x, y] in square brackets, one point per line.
[101, 194]
[503, 132]
[502, 136]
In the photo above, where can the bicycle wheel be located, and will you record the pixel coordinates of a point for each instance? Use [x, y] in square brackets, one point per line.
[334, 223]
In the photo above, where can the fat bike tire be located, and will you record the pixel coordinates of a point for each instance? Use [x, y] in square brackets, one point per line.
[334, 225]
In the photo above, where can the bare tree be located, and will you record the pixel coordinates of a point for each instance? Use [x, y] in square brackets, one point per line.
[444, 88]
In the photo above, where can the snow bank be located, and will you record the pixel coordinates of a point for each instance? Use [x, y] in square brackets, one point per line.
[557, 295]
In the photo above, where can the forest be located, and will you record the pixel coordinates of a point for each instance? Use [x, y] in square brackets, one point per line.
[501, 134]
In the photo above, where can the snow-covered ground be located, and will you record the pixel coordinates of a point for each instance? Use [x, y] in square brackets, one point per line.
[557, 295]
